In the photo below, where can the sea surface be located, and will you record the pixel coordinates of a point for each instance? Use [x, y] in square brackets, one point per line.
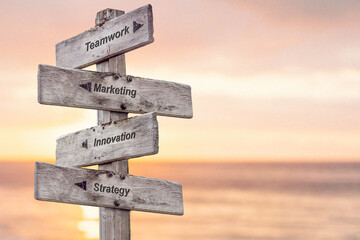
[254, 201]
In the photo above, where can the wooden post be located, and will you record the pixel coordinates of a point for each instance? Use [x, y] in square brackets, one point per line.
[114, 223]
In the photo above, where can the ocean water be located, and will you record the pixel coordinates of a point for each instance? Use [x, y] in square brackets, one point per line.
[227, 201]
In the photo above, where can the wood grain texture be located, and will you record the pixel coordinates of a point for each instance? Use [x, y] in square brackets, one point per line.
[119, 140]
[82, 186]
[114, 223]
[113, 92]
[76, 53]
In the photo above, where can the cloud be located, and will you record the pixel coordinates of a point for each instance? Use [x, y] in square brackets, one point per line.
[269, 75]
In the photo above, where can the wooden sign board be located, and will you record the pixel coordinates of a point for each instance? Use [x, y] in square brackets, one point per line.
[109, 91]
[114, 37]
[123, 139]
[107, 189]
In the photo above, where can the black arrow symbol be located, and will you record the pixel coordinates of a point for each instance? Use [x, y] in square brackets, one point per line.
[86, 86]
[84, 144]
[81, 185]
[136, 26]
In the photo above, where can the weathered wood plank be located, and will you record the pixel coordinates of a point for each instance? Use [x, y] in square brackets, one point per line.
[119, 140]
[113, 37]
[106, 189]
[110, 91]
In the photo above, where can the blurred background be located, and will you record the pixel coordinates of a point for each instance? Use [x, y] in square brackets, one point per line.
[273, 149]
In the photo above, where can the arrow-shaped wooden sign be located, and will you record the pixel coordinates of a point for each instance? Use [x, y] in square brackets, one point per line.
[123, 139]
[109, 91]
[106, 189]
[114, 37]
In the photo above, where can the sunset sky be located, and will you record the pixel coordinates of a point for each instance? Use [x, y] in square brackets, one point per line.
[271, 80]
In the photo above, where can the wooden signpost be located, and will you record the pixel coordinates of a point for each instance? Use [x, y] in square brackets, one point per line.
[107, 39]
[119, 140]
[116, 138]
[112, 92]
[106, 189]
